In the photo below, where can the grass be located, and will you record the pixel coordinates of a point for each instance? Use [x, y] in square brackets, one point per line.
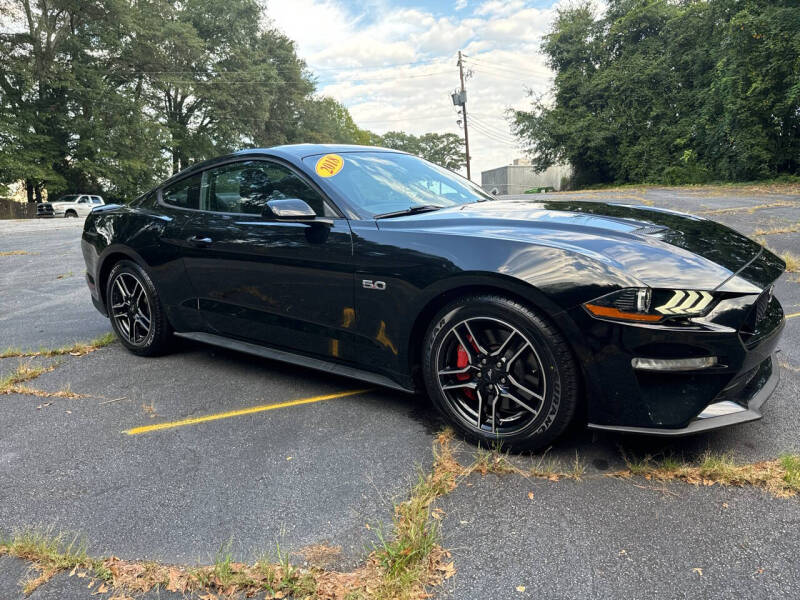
[49, 554]
[782, 184]
[749, 210]
[13, 382]
[780, 477]
[497, 461]
[792, 261]
[76, 349]
[778, 229]
[413, 559]
[10, 384]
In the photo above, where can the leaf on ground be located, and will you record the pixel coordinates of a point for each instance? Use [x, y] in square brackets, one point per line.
[520, 588]
[175, 583]
[530, 495]
[698, 570]
[448, 570]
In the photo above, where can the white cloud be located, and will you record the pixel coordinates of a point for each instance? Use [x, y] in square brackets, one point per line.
[395, 67]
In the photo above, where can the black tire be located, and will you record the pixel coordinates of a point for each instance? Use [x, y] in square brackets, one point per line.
[70, 214]
[129, 312]
[516, 350]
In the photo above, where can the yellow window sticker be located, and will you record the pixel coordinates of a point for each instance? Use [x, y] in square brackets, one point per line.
[329, 165]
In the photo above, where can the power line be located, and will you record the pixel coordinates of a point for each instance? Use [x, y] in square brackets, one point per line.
[511, 70]
[494, 130]
[493, 136]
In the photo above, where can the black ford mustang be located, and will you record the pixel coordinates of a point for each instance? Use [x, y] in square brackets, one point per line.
[377, 265]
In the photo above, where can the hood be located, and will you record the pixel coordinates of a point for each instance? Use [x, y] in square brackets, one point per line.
[661, 248]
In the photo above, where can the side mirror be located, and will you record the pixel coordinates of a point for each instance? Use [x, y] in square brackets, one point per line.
[289, 209]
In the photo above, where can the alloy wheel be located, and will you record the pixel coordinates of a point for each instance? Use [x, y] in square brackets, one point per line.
[491, 375]
[130, 308]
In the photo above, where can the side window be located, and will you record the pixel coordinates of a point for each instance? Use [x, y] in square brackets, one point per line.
[184, 193]
[96, 200]
[147, 200]
[246, 187]
[83, 200]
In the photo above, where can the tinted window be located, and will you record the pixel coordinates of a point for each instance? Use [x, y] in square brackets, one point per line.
[96, 200]
[184, 193]
[246, 187]
[70, 198]
[147, 200]
[384, 182]
[83, 200]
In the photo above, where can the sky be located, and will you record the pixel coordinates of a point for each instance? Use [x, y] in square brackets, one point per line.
[393, 64]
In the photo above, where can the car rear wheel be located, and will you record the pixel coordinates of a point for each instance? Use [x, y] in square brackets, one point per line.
[135, 310]
[500, 372]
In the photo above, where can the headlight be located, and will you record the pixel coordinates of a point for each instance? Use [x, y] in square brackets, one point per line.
[645, 305]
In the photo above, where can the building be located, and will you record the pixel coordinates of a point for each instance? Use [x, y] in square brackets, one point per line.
[519, 177]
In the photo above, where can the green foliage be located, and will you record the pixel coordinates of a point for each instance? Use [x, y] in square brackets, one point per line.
[445, 149]
[111, 96]
[670, 92]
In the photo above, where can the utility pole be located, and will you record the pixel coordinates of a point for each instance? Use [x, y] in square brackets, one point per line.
[461, 100]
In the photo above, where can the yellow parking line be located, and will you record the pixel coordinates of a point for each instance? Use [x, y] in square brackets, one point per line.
[793, 315]
[239, 413]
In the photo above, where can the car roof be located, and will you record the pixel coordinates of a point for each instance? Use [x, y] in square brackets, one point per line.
[292, 152]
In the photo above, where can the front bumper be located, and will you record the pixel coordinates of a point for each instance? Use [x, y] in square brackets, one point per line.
[747, 409]
[623, 398]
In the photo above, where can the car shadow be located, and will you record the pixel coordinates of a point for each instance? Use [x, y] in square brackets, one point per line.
[596, 451]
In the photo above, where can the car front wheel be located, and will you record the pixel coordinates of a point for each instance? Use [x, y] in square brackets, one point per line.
[135, 310]
[499, 372]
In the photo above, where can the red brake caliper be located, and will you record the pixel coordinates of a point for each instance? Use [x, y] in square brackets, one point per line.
[462, 360]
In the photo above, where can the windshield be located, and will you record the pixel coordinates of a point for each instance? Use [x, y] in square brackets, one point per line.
[385, 182]
[70, 198]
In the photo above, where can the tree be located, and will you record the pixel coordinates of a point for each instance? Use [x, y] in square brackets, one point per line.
[445, 149]
[672, 92]
[66, 121]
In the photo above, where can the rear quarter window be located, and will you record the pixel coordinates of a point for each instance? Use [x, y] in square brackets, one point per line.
[184, 193]
[147, 200]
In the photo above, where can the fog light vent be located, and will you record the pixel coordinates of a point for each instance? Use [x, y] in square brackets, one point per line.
[673, 364]
[719, 409]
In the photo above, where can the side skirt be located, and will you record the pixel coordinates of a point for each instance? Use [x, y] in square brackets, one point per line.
[295, 359]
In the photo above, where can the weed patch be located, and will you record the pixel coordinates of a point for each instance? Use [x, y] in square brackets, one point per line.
[747, 210]
[779, 477]
[792, 261]
[10, 384]
[779, 229]
[76, 349]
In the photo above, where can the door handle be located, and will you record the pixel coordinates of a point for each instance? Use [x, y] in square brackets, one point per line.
[199, 240]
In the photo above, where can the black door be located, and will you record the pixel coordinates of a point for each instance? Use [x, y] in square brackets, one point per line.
[284, 284]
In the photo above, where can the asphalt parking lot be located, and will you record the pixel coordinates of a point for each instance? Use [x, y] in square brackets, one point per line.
[242, 463]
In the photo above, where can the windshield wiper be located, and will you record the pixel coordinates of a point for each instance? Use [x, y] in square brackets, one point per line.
[411, 210]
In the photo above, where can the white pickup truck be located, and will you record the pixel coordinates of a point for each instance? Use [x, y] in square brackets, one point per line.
[72, 205]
